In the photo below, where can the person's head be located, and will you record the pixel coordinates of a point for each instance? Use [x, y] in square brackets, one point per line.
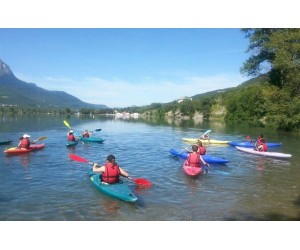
[195, 148]
[111, 158]
[71, 131]
[261, 136]
[199, 143]
[26, 136]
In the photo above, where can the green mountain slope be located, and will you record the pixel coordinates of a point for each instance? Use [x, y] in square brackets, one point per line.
[16, 92]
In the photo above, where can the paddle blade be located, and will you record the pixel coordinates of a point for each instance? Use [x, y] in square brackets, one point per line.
[141, 182]
[77, 158]
[41, 138]
[98, 129]
[67, 124]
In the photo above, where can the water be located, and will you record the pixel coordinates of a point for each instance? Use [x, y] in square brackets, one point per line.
[46, 185]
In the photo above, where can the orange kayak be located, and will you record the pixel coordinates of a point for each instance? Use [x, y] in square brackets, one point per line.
[17, 150]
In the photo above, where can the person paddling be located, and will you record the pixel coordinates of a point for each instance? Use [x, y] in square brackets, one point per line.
[110, 171]
[25, 142]
[194, 159]
[201, 148]
[71, 136]
[261, 145]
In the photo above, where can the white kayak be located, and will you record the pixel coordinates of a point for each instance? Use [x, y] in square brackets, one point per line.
[262, 153]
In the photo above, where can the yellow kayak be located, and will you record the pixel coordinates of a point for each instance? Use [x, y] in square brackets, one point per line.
[210, 141]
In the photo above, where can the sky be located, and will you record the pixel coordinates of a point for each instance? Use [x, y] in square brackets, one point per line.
[124, 54]
[121, 67]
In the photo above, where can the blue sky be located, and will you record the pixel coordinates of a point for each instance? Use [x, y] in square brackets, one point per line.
[122, 67]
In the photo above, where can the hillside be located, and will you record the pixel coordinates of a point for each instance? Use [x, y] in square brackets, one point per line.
[17, 92]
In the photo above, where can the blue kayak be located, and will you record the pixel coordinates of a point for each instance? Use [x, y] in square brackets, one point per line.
[207, 158]
[248, 144]
[118, 190]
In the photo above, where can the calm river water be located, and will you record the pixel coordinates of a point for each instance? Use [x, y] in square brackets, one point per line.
[46, 185]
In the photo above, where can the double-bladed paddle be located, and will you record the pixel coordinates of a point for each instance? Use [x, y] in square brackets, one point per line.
[138, 181]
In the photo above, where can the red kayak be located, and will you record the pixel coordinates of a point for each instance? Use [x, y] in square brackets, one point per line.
[17, 150]
[191, 171]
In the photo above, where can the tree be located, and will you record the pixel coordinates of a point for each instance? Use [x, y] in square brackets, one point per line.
[276, 52]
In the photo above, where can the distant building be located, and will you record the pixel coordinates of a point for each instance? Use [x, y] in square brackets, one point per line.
[181, 99]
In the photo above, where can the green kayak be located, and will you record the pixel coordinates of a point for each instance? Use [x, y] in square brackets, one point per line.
[118, 190]
[71, 143]
[92, 139]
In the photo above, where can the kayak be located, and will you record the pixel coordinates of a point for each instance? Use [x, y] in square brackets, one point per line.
[191, 171]
[210, 141]
[249, 144]
[207, 158]
[71, 143]
[92, 139]
[5, 142]
[16, 150]
[118, 190]
[262, 153]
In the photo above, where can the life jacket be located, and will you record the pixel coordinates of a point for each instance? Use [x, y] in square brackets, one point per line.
[193, 160]
[71, 137]
[201, 150]
[264, 147]
[24, 143]
[111, 173]
[86, 135]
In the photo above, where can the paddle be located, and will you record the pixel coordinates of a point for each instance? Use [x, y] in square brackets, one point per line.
[139, 181]
[205, 133]
[67, 124]
[40, 138]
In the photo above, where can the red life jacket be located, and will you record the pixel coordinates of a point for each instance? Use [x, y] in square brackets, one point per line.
[264, 147]
[71, 137]
[25, 143]
[201, 150]
[193, 160]
[111, 173]
[86, 135]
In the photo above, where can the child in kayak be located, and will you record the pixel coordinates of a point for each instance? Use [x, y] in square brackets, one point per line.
[86, 134]
[261, 145]
[25, 142]
[201, 148]
[71, 136]
[194, 158]
[110, 171]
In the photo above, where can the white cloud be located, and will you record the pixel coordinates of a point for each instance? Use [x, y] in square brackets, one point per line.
[119, 93]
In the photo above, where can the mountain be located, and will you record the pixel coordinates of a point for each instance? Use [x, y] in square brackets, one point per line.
[17, 92]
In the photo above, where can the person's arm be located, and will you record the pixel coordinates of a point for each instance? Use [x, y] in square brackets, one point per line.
[97, 168]
[204, 162]
[123, 172]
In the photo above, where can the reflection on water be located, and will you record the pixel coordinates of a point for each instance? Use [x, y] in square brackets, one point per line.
[47, 185]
